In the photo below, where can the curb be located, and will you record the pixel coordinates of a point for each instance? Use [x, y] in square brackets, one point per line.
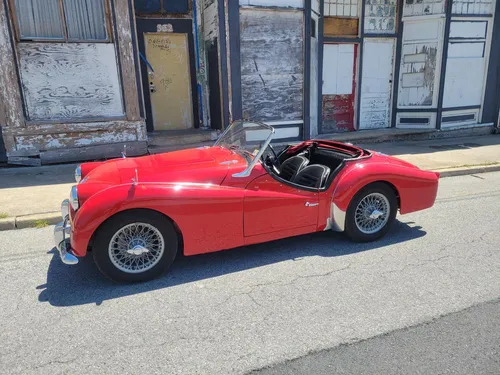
[462, 171]
[40, 220]
[51, 218]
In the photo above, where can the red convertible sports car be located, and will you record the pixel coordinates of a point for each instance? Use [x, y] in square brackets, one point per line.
[137, 214]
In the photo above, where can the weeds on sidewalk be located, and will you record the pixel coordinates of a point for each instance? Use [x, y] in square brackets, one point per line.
[3, 215]
[41, 224]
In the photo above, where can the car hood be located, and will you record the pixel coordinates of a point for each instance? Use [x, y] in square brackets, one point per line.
[197, 165]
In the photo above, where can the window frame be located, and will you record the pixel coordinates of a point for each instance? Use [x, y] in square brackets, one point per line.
[65, 38]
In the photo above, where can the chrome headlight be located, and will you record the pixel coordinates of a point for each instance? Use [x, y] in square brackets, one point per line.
[73, 198]
[78, 174]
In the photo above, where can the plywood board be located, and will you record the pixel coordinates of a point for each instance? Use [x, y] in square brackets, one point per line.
[64, 81]
[335, 26]
[376, 83]
[272, 64]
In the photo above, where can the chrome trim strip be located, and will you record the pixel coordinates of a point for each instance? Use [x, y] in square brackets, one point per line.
[338, 218]
[65, 208]
[62, 243]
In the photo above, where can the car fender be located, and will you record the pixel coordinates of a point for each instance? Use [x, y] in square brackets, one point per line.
[209, 217]
[416, 188]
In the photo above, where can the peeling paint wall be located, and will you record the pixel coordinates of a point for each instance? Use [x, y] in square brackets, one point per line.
[420, 63]
[272, 64]
[66, 81]
[67, 87]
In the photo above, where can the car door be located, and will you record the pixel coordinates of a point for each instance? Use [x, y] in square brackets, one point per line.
[273, 206]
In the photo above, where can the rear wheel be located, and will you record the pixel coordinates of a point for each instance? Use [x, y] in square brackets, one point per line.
[371, 212]
[136, 245]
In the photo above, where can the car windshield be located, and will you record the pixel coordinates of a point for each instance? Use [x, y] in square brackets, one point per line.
[246, 137]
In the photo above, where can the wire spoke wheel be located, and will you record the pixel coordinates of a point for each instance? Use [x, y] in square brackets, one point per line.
[136, 248]
[372, 213]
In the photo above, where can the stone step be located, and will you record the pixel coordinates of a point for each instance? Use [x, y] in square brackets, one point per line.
[180, 137]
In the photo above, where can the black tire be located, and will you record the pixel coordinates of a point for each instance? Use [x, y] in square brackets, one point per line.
[106, 232]
[352, 230]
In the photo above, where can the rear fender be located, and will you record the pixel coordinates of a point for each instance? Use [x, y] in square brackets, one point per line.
[210, 217]
[417, 189]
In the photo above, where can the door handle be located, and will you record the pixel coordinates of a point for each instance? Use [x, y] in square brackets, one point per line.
[311, 204]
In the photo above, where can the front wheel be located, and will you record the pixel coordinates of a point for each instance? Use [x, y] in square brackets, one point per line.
[136, 245]
[371, 213]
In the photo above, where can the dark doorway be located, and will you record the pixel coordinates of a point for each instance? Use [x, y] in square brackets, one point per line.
[214, 84]
[3, 152]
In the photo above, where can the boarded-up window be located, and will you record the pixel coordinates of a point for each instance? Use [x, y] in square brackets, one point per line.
[341, 8]
[423, 7]
[44, 19]
[161, 6]
[341, 18]
[380, 16]
[272, 64]
[472, 7]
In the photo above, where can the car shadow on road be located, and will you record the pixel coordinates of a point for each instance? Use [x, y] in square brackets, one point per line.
[83, 283]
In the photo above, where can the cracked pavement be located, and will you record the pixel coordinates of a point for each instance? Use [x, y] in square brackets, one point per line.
[244, 309]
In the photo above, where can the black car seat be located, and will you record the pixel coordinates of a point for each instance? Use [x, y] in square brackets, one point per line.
[290, 167]
[314, 176]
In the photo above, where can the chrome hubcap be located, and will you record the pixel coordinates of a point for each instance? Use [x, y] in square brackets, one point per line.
[372, 213]
[136, 248]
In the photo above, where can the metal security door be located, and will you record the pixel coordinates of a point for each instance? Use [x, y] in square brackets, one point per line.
[170, 80]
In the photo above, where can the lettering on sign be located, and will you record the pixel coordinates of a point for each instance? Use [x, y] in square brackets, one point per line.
[161, 43]
[165, 28]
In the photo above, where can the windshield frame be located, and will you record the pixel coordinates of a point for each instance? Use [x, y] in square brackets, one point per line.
[265, 145]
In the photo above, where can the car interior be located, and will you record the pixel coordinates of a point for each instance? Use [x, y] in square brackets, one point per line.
[314, 167]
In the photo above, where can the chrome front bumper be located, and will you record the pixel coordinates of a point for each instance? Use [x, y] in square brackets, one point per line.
[62, 233]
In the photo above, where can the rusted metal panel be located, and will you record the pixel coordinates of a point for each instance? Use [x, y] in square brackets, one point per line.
[127, 62]
[376, 83]
[70, 81]
[472, 6]
[336, 26]
[339, 72]
[423, 7]
[272, 64]
[380, 16]
[11, 110]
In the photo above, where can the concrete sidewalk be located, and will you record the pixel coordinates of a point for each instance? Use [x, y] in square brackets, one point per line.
[32, 196]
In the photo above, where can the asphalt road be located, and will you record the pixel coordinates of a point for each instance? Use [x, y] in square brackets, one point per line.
[462, 343]
[248, 308]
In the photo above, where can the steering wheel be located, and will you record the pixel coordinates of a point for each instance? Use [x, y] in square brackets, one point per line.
[273, 161]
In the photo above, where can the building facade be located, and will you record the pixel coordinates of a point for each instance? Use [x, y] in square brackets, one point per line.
[80, 79]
